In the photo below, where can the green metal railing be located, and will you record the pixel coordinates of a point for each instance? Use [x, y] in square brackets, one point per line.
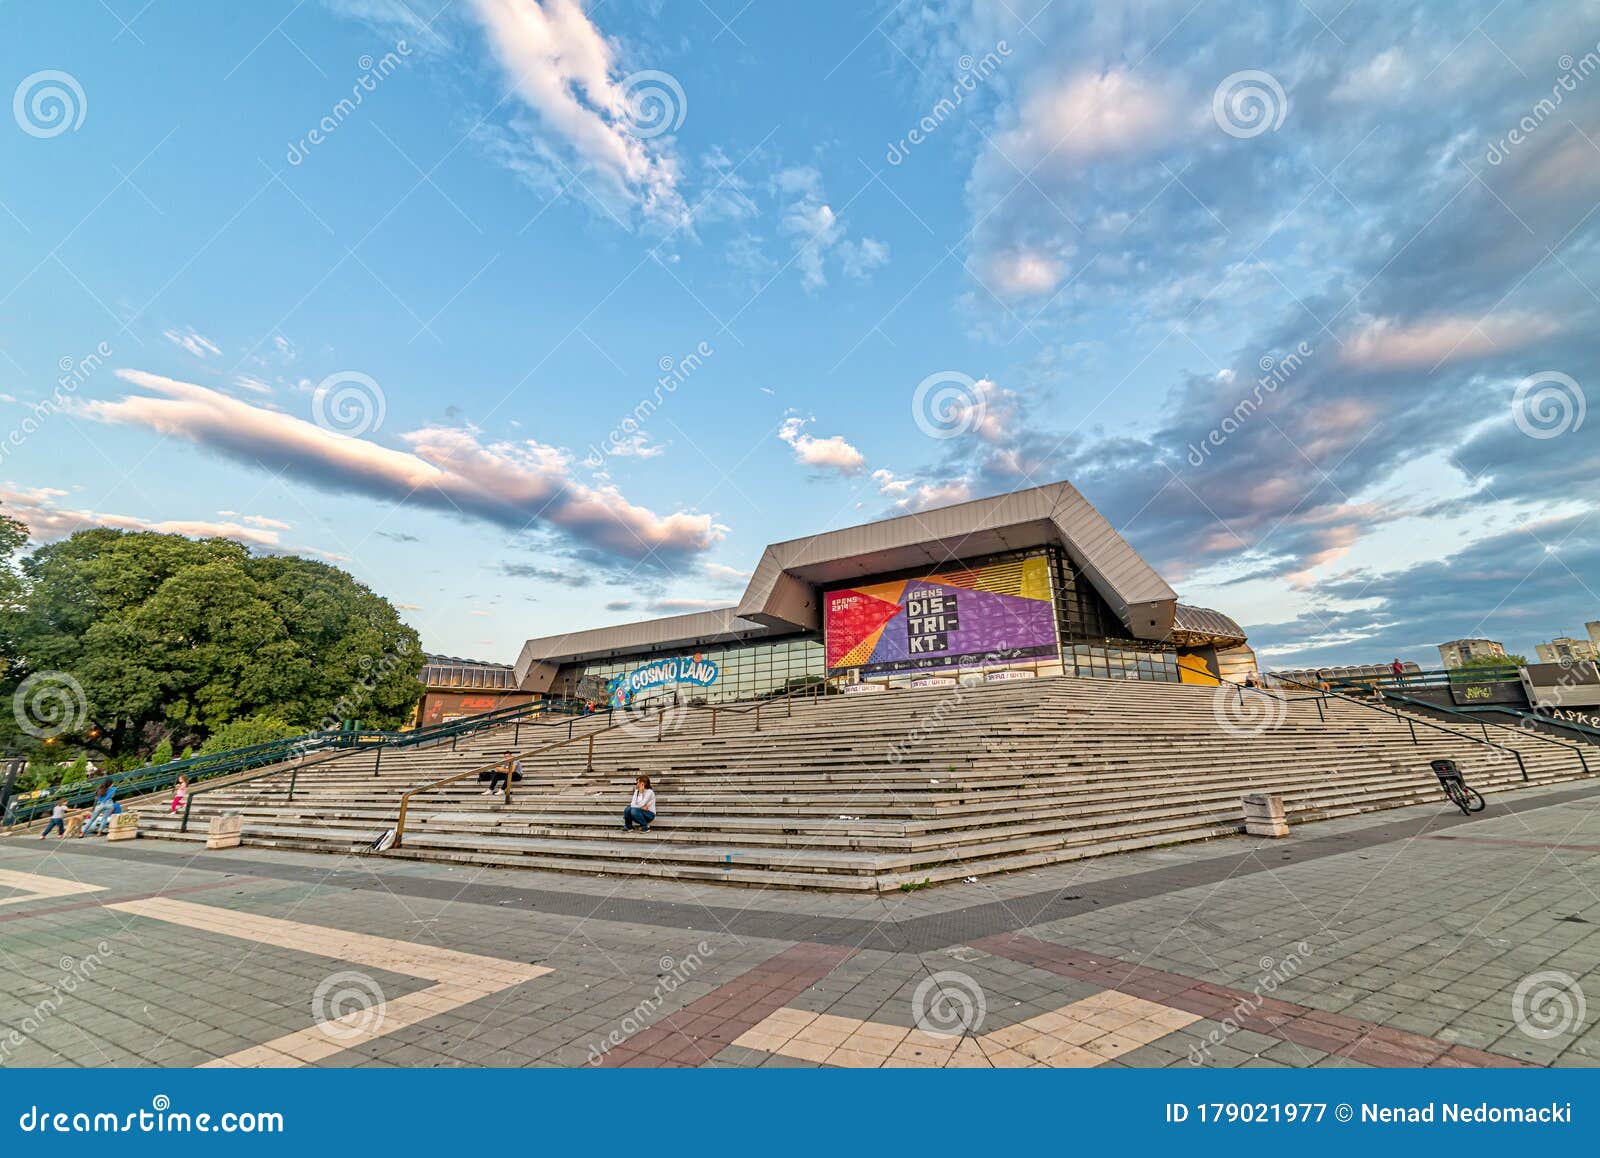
[1485, 725]
[1378, 705]
[153, 778]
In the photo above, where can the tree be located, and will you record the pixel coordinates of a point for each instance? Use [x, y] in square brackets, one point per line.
[248, 732]
[174, 638]
[1496, 661]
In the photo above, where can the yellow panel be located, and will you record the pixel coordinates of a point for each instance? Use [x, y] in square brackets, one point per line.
[1192, 670]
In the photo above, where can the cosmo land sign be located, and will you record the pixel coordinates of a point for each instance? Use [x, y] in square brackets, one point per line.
[659, 673]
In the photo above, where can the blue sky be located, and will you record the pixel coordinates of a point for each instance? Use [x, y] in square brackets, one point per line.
[1303, 296]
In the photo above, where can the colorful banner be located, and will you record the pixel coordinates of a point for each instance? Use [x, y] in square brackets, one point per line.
[996, 614]
[622, 690]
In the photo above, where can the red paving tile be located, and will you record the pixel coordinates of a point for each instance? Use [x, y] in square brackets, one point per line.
[698, 1031]
[1334, 1033]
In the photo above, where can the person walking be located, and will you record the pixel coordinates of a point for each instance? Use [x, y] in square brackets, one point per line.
[641, 809]
[179, 795]
[58, 820]
[1398, 670]
[104, 804]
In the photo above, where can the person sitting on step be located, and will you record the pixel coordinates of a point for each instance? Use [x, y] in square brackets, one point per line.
[642, 809]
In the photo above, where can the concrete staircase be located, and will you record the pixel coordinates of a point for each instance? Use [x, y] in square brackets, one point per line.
[878, 792]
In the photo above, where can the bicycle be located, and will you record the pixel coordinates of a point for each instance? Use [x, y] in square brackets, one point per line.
[1455, 786]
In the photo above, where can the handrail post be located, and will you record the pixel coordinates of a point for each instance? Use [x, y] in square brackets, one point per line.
[188, 802]
[400, 821]
[661, 723]
[1413, 728]
[294, 774]
[1520, 764]
[758, 715]
[590, 758]
[570, 722]
[516, 735]
[1321, 715]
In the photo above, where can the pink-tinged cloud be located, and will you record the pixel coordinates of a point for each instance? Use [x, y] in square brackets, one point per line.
[831, 453]
[515, 485]
[49, 522]
[1384, 344]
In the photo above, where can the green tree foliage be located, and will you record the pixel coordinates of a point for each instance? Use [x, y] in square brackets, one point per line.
[259, 729]
[179, 637]
[163, 752]
[1496, 661]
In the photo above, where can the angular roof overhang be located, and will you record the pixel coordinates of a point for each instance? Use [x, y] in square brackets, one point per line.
[783, 595]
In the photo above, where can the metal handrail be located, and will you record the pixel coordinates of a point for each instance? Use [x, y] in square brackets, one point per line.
[508, 761]
[1412, 722]
[1485, 725]
[1533, 716]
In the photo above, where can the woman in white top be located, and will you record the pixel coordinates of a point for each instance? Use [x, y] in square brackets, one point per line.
[642, 809]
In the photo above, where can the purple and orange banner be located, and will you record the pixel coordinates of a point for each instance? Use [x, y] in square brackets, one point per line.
[996, 614]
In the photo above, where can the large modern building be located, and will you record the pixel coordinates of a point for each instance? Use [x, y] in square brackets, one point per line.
[1031, 583]
[1459, 651]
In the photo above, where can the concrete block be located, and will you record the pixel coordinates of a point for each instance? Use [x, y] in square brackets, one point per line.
[1264, 815]
[225, 831]
[124, 826]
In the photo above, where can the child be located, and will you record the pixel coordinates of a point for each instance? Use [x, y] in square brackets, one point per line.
[642, 810]
[58, 821]
[179, 795]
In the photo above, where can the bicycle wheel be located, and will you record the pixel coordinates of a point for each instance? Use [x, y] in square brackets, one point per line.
[1457, 792]
[1474, 802]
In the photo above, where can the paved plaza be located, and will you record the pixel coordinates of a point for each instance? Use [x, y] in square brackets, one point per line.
[1403, 938]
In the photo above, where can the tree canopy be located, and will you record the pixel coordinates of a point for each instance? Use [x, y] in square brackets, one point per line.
[174, 638]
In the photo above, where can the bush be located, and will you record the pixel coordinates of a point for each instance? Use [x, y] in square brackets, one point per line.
[163, 752]
[242, 733]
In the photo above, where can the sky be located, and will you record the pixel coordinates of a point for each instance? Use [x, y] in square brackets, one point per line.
[549, 315]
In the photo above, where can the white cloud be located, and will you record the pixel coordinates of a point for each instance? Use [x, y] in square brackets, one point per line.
[832, 453]
[1089, 115]
[565, 71]
[49, 521]
[197, 344]
[815, 230]
[1021, 273]
[514, 485]
[1385, 344]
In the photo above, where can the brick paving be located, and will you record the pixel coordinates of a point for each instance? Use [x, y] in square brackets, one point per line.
[1417, 938]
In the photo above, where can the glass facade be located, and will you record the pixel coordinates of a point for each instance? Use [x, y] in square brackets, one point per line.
[1093, 643]
[746, 671]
